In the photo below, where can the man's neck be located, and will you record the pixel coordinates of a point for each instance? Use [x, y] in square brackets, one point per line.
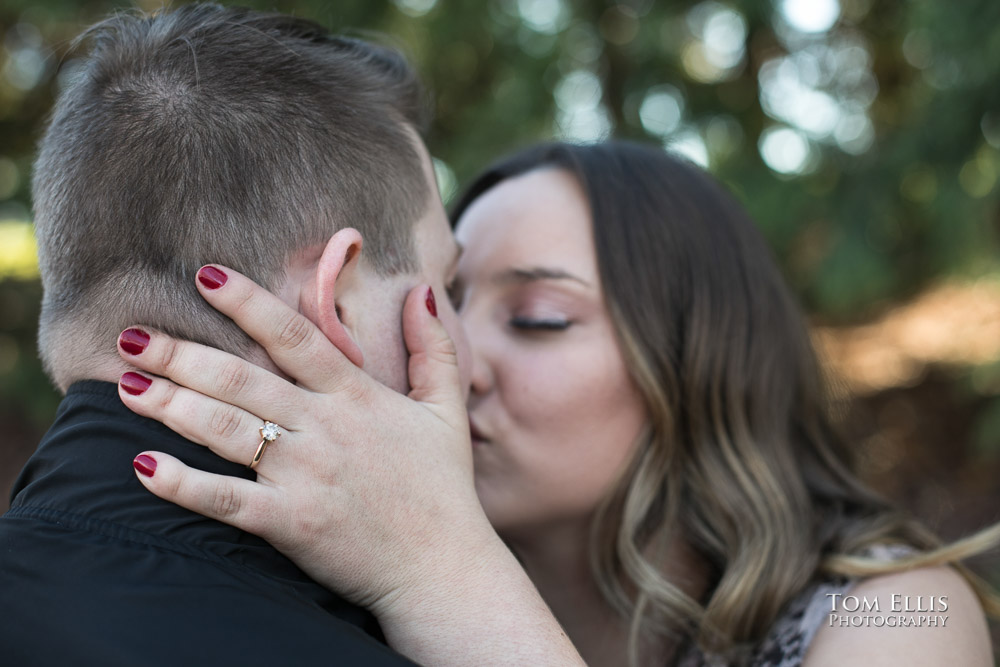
[101, 368]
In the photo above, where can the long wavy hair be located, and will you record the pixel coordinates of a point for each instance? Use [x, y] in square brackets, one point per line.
[741, 459]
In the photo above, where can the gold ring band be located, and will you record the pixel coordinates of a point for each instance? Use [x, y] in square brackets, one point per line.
[269, 432]
[264, 442]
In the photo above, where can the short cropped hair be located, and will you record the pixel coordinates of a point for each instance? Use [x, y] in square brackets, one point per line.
[212, 134]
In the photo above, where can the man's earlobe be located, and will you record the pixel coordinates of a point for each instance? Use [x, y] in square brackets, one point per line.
[336, 277]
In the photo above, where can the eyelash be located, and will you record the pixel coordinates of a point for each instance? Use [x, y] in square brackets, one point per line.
[528, 324]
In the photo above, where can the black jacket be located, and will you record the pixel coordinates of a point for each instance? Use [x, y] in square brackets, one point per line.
[95, 570]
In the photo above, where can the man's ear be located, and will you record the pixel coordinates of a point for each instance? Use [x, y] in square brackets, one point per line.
[337, 275]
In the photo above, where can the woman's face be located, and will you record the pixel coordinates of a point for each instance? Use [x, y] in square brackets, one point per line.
[554, 412]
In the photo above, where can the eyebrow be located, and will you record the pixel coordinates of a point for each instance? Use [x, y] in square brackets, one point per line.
[517, 276]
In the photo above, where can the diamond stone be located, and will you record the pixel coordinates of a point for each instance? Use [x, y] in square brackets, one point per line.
[270, 431]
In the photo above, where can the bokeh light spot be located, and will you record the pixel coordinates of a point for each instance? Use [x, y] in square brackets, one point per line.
[784, 150]
[545, 16]
[18, 252]
[446, 181]
[810, 16]
[688, 143]
[661, 110]
[415, 8]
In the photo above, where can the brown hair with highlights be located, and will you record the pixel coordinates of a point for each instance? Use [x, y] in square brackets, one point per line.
[741, 459]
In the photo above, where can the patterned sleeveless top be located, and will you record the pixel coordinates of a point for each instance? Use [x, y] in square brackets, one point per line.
[793, 631]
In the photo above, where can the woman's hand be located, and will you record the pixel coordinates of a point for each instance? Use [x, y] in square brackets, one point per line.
[380, 471]
[369, 491]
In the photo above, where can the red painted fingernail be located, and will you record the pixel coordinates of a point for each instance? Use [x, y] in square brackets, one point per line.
[144, 464]
[134, 383]
[133, 341]
[211, 277]
[431, 303]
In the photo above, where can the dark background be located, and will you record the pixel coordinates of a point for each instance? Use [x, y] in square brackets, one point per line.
[864, 137]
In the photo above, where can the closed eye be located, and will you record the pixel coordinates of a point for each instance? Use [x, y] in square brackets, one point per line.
[528, 324]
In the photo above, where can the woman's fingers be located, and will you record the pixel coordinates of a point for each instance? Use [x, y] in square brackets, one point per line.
[229, 431]
[211, 372]
[255, 508]
[293, 342]
[433, 366]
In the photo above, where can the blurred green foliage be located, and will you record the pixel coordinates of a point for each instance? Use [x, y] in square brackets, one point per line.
[864, 140]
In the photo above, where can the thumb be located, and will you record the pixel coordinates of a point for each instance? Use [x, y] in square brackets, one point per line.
[433, 365]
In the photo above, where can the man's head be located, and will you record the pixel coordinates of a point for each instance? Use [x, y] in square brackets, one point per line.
[221, 135]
